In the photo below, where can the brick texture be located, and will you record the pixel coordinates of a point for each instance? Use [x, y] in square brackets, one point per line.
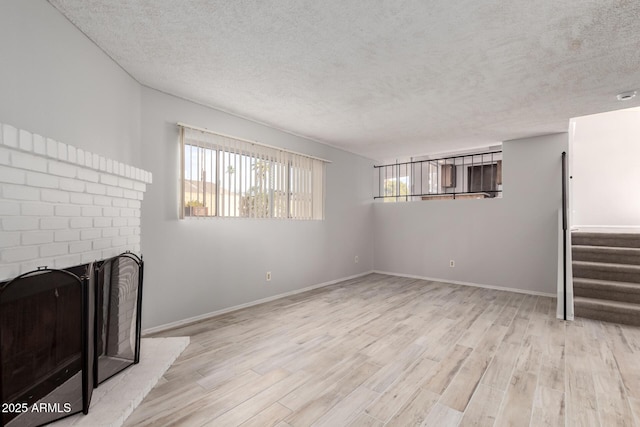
[62, 206]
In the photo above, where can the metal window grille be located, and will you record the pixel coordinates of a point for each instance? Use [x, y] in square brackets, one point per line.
[477, 175]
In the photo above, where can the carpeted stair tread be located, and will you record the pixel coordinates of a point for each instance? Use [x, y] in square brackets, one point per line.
[607, 305]
[608, 311]
[606, 276]
[625, 240]
[607, 290]
[606, 271]
[607, 254]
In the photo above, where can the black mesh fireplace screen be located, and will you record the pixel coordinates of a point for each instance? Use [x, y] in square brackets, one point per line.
[118, 304]
[44, 356]
[62, 335]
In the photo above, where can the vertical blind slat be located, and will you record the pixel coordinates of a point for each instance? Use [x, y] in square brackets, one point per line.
[227, 177]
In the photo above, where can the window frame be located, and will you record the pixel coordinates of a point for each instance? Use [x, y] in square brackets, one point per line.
[276, 180]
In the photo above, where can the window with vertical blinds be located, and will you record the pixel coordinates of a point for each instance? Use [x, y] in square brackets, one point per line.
[224, 176]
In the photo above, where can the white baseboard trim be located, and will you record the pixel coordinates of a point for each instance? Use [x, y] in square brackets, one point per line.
[206, 316]
[476, 285]
[600, 227]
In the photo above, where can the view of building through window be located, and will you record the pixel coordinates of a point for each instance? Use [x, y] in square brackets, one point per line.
[475, 175]
[226, 177]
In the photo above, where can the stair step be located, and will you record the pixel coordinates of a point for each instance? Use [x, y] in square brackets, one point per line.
[608, 311]
[607, 290]
[606, 271]
[607, 254]
[624, 240]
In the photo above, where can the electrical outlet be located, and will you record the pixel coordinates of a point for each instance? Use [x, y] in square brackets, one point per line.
[356, 259]
[268, 276]
[452, 263]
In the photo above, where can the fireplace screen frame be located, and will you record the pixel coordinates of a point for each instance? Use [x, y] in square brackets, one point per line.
[102, 363]
[41, 283]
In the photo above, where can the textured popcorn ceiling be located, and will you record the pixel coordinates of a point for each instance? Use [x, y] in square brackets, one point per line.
[380, 78]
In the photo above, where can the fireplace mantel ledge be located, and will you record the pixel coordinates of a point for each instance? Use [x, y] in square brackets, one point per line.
[22, 140]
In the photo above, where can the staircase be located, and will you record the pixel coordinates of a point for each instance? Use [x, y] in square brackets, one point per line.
[606, 276]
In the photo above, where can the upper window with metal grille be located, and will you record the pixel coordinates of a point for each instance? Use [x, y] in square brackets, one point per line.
[476, 175]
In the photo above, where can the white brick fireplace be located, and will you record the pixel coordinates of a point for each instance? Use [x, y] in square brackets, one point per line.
[61, 206]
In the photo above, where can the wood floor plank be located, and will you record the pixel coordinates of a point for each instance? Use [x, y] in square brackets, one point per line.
[442, 416]
[548, 408]
[391, 371]
[518, 400]
[216, 403]
[348, 409]
[579, 418]
[499, 371]
[498, 311]
[218, 378]
[552, 371]
[241, 361]
[259, 402]
[506, 316]
[472, 336]
[434, 337]
[269, 417]
[582, 406]
[614, 334]
[403, 351]
[415, 410]
[517, 329]
[483, 408]
[632, 336]
[530, 356]
[397, 395]
[614, 410]
[440, 377]
[628, 368]
[635, 408]
[365, 420]
[287, 354]
[330, 356]
[165, 406]
[312, 389]
[166, 388]
[613, 405]
[385, 349]
[459, 391]
[310, 412]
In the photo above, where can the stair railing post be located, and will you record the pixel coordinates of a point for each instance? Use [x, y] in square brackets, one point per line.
[564, 231]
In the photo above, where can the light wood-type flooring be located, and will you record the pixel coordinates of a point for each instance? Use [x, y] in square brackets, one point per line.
[389, 351]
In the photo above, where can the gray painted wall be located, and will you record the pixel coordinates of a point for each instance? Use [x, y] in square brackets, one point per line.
[55, 82]
[509, 242]
[195, 266]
